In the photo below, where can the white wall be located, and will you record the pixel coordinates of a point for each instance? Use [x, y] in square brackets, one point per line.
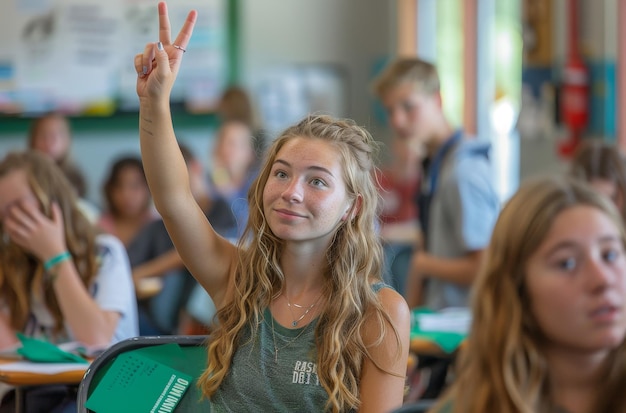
[274, 33]
[352, 34]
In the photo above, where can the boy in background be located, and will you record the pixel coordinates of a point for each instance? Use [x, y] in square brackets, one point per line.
[458, 202]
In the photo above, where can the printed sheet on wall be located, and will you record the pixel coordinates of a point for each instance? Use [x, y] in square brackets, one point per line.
[76, 56]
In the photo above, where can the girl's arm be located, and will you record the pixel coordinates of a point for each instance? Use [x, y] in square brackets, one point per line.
[207, 256]
[89, 324]
[8, 339]
[158, 266]
[44, 237]
[384, 373]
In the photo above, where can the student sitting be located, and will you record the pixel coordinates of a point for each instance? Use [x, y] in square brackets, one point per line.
[51, 134]
[128, 201]
[152, 254]
[549, 308]
[59, 280]
[603, 166]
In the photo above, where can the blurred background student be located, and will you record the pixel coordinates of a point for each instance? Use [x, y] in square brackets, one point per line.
[128, 203]
[458, 202]
[603, 166]
[236, 105]
[232, 169]
[152, 254]
[51, 134]
[549, 308]
[399, 187]
[59, 279]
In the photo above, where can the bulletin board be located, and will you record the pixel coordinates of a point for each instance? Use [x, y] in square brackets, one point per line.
[76, 56]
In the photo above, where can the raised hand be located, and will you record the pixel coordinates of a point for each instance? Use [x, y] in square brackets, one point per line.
[159, 63]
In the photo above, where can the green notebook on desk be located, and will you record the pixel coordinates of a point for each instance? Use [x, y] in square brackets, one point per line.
[448, 339]
[42, 351]
[152, 379]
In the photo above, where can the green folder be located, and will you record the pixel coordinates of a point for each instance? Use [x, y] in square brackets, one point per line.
[45, 352]
[150, 379]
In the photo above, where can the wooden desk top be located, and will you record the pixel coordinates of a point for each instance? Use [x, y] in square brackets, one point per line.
[23, 378]
[424, 346]
[148, 287]
[427, 347]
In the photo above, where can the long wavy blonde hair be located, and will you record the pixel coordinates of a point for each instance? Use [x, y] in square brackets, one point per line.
[20, 272]
[354, 261]
[503, 368]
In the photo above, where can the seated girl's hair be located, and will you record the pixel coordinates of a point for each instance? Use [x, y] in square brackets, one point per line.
[503, 367]
[20, 273]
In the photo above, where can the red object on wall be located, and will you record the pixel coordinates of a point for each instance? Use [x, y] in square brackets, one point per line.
[575, 90]
[575, 94]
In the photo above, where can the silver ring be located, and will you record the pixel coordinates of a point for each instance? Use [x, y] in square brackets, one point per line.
[179, 48]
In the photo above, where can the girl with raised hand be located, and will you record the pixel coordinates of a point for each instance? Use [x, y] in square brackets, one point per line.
[304, 322]
[549, 308]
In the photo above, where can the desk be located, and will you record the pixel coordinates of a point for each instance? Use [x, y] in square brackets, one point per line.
[21, 379]
[442, 332]
[34, 378]
[148, 287]
[424, 346]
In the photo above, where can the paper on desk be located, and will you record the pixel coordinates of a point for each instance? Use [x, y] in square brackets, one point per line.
[453, 320]
[40, 368]
[448, 327]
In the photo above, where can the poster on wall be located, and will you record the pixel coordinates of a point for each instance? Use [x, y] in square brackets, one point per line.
[76, 56]
[537, 27]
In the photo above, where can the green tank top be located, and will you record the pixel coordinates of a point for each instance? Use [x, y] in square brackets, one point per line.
[261, 380]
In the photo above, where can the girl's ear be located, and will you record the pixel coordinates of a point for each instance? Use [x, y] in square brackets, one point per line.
[353, 210]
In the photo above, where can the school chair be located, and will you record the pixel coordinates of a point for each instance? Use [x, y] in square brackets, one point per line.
[193, 347]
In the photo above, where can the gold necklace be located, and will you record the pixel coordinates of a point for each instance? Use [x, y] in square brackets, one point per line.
[295, 322]
[276, 348]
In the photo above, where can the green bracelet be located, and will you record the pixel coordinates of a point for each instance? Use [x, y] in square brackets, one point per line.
[57, 259]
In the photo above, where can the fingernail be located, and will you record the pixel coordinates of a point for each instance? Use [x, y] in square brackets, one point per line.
[145, 70]
[160, 46]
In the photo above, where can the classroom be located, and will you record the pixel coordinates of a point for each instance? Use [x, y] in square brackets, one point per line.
[401, 206]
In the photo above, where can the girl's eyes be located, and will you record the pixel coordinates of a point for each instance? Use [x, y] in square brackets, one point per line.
[611, 255]
[408, 106]
[318, 182]
[566, 264]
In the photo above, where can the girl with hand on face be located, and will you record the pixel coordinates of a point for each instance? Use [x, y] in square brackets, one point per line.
[59, 280]
[549, 308]
[304, 322]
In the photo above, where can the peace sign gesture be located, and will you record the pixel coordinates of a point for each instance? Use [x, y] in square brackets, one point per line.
[158, 65]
